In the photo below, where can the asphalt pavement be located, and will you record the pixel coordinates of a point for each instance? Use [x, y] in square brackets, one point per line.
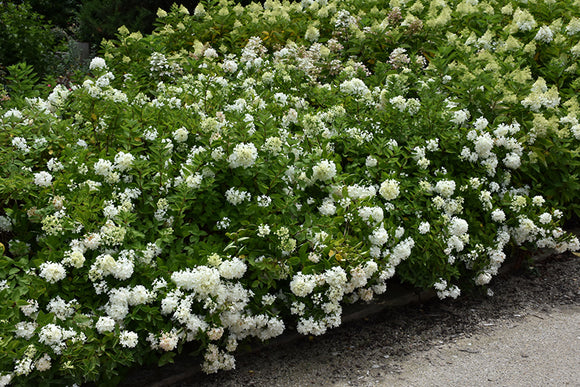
[540, 349]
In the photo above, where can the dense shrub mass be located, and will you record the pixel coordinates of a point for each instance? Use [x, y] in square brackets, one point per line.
[242, 171]
[25, 36]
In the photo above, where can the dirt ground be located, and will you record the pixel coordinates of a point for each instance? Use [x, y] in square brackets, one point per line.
[378, 349]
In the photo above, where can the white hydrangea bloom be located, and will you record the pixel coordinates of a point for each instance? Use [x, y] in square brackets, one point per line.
[312, 34]
[103, 167]
[498, 216]
[13, 113]
[545, 218]
[376, 214]
[54, 165]
[524, 20]
[97, 63]
[202, 279]
[233, 268]
[215, 360]
[168, 341]
[244, 155]
[51, 334]
[5, 223]
[401, 251]
[20, 144]
[124, 161]
[460, 116]
[30, 309]
[52, 272]
[180, 135]
[105, 324]
[544, 35]
[194, 181]
[538, 200]
[573, 27]
[458, 226]
[355, 87]
[302, 284]
[43, 179]
[25, 329]
[371, 162]
[273, 145]
[389, 189]
[236, 197]
[445, 188]
[5, 379]
[424, 227]
[128, 339]
[512, 160]
[379, 236]
[60, 308]
[328, 208]
[483, 279]
[325, 170]
[230, 66]
[484, 145]
[263, 230]
[44, 363]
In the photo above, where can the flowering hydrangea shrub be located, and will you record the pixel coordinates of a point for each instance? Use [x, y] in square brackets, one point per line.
[247, 170]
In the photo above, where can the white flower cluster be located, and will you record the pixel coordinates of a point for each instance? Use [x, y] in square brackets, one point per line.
[325, 170]
[5, 223]
[52, 272]
[128, 339]
[355, 87]
[25, 329]
[424, 227]
[444, 291]
[488, 146]
[121, 268]
[524, 20]
[56, 337]
[389, 189]
[97, 63]
[402, 104]
[541, 96]
[244, 155]
[303, 284]
[61, 309]
[20, 144]
[544, 35]
[328, 208]
[371, 215]
[236, 197]
[202, 280]
[379, 236]
[232, 269]
[43, 179]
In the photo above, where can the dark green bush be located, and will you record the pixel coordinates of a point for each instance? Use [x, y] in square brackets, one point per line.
[61, 13]
[26, 36]
[100, 19]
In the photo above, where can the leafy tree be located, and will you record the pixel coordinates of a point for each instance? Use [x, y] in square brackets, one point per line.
[26, 36]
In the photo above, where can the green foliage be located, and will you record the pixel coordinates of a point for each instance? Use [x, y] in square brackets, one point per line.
[61, 13]
[26, 36]
[21, 83]
[100, 19]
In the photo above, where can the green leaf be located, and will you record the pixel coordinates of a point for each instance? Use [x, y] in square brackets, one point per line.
[166, 358]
